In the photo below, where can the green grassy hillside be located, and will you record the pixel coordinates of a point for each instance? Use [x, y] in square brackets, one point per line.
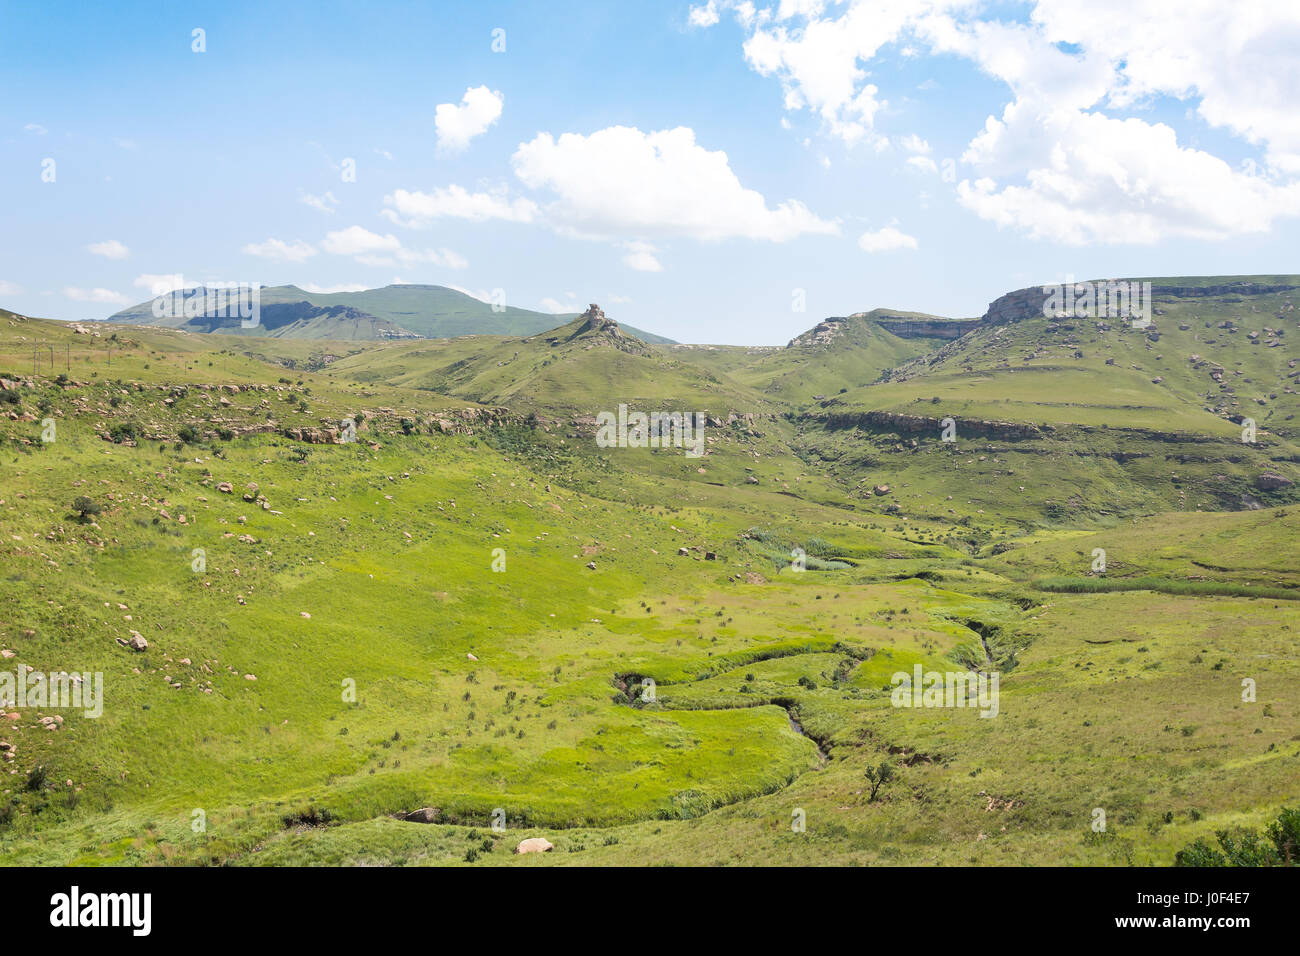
[456, 617]
[395, 311]
[852, 352]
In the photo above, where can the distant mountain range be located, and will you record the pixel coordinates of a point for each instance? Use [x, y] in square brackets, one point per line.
[393, 312]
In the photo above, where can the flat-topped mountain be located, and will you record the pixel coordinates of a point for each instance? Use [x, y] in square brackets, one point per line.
[1028, 303]
[904, 325]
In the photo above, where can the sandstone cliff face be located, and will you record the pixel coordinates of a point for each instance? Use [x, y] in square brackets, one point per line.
[1231, 288]
[906, 327]
[1028, 303]
[1016, 306]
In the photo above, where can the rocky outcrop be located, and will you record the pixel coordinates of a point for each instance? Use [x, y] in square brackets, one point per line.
[595, 320]
[909, 327]
[922, 424]
[535, 845]
[315, 436]
[1016, 306]
[823, 333]
[595, 329]
[463, 421]
[422, 815]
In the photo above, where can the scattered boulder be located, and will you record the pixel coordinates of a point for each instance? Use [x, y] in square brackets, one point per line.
[225, 487]
[423, 815]
[1271, 482]
[535, 845]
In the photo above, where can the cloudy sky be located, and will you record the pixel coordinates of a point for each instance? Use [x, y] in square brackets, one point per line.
[700, 169]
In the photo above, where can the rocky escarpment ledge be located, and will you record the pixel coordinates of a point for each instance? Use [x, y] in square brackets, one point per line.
[924, 425]
[1028, 303]
[906, 327]
[903, 424]
[903, 326]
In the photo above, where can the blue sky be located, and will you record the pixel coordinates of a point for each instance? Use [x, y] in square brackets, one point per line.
[693, 168]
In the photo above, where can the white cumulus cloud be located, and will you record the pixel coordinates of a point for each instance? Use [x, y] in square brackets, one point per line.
[915, 144]
[887, 239]
[641, 257]
[704, 16]
[109, 249]
[372, 249]
[1067, 155]
[95, 295]
[415, 208]
[620, 183]
[924, 163]
[456, 125]
[357, 240]
[326, 202]
[1096, 180]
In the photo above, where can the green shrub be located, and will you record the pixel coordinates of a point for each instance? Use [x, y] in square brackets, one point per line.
[1278, 845]
[124, 431]
[85, 507]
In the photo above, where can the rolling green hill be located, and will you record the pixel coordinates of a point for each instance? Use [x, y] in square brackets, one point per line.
[365, 652]
[837, 354]
[566, 370]
[395, 311]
